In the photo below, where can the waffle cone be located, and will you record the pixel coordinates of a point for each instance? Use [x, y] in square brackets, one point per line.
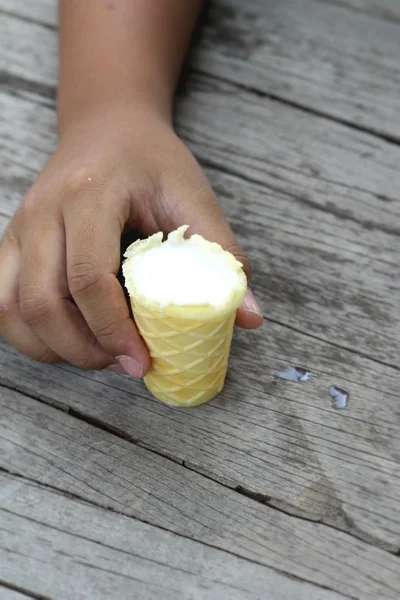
[189, 345]
[189, 356]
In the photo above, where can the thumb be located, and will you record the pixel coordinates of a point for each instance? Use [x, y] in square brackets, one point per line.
[206, 218]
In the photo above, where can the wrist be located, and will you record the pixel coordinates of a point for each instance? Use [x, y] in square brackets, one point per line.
[79, 108]
[114, 121]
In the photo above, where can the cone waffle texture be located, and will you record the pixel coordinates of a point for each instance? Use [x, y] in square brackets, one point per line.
[189, 357]
[189, 345]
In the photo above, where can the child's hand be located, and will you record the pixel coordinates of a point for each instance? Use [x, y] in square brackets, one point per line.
[60, 299]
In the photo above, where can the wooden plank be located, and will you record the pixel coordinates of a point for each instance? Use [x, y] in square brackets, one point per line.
[62, 548]
[283, 440]
[8, 594]
[387, 10]
[42, 11]
[23, 153]
[318, 54]
[23, 48]
[338, 58]
[46, 445]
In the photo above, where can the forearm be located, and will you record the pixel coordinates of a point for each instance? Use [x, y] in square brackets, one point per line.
[121, 51]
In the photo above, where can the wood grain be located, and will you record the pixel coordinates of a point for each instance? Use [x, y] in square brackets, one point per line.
[339, 58]
[8, 594]
[315, 202]
[71, 550]
[327, 285]
[328, 57]
[43, 12]
[43, 444]
[386, 10]
[280, 442]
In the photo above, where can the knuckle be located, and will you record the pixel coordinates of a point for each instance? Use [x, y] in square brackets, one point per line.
[6, 309]
[35, 306]
[30, 200]
[108, 331]
[9, 237]
[77, 181]
[28, 213]
[87, 358]
[83, 361]
[89, 363]
[82, 277]
[44, 355]
[32, 207]
[90, 355]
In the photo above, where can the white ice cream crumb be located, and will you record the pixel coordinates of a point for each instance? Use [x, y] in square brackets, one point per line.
[294, 374]
[340, 397]
[184, 272]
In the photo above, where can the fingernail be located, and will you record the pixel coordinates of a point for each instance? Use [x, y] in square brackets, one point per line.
[130, 366]
[250, 303]
[116, 369]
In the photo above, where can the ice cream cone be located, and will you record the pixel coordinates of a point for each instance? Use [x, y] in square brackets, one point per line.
[189, 345]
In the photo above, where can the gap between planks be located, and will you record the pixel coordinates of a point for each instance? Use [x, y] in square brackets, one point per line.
[27, 19]
[20, 592]
[337, 550]
[258, 497]
[143, 525]
[320, 114]
[340, 554]
[81, 499]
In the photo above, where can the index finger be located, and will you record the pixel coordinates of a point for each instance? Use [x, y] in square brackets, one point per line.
[93, 259]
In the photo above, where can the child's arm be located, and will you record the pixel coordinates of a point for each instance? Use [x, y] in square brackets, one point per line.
[118, 163]
[121, 51]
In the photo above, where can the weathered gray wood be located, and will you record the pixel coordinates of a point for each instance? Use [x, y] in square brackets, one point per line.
[387, 10]
[320, 55]
[42, 11]
[340, 58]
[281, 440]
[63, 548]
[326, 199]
[23, 44]
[8, 594]
[46, 445]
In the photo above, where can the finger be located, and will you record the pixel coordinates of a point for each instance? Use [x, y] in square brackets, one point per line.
[12, 326]
[93, 258]
[210, 222]
[45, 301]
[249, 314]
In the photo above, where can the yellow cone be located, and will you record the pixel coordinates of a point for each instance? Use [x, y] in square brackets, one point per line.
[189, 345]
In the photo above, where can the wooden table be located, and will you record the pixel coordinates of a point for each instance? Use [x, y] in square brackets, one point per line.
[268, 492]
